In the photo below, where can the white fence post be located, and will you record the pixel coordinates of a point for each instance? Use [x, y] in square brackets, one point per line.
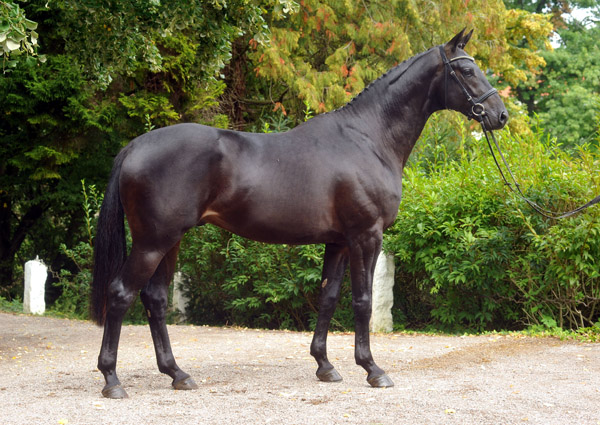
[383, 294]
[36, 274]
[180, 301]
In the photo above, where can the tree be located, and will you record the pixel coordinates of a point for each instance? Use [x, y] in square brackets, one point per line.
[565, 95]
[114, 70]
[330, 50]
[557, 8]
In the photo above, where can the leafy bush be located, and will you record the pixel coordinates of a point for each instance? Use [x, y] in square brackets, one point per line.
[74, 283]
[12, 306]
[472, 255]
[233, 280]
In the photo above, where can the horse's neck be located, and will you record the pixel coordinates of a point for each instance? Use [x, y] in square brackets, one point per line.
[396, 108]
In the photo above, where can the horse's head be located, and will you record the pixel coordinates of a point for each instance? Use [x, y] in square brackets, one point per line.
[464, 87]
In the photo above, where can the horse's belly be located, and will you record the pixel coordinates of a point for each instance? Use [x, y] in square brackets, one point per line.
[273, 223]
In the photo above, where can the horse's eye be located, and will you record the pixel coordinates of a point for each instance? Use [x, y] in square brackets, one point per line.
[467, 72]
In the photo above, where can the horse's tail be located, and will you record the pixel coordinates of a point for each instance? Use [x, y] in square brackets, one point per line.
[109, 247]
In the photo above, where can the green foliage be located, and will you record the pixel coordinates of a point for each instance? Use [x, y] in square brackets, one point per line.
[112, 39]
[43, 157]
[560, 9]
[587, 334]
[236, 281]
[330, 50]
[479, 258]
[17, 36]
[559, 278]
[155, 109]
[113, 71]
[74, 280]
[565, 96]
[75, 285]
[12, 306]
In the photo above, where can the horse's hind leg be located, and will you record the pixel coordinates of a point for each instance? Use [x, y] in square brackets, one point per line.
[155, 299]
[137, 270]
[334, 266]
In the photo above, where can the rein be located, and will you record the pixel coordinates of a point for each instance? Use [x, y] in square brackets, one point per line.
[478, 113]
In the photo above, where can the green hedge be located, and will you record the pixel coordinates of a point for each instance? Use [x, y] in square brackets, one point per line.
[232, 280]
[471, 255]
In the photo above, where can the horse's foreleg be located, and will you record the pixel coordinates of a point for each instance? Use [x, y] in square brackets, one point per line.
[121, 293]
[363, 255]
[155, 299]
[334, 266]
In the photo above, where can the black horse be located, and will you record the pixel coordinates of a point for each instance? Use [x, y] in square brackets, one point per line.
[336, 179]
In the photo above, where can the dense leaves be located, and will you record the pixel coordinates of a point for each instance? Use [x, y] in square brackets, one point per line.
[330, 50]
[18, 37]
[485, 258]
[113, 71]
[233, 280]
[566, 96]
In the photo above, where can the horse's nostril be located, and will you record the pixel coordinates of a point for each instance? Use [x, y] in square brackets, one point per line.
[504, 117]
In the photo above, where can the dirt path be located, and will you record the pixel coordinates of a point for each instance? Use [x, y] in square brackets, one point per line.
[49, 376]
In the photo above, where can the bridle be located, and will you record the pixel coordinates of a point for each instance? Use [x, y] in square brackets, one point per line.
[477, 109]
[478, 113]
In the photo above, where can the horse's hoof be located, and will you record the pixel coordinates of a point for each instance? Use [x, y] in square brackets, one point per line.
[185, 384]
[381, 381]
[116, 391]
[330, 375]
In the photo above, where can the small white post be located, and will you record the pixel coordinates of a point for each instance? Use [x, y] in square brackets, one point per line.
[36, 274]
[180, 301]
[383, 294]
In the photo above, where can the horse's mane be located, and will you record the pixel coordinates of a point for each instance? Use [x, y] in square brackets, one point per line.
[399, 69]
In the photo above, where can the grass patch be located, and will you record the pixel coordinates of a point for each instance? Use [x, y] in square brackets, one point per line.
[14, 306]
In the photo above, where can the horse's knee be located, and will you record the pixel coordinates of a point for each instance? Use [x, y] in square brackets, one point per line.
[362, 306]
[329, 300]
[153, 299]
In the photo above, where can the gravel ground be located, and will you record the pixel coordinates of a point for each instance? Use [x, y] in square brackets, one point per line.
[49, 376]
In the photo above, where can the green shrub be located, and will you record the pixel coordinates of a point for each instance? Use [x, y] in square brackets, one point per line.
[12, 306]
[74, 283]
[232, 280]
[472, 255]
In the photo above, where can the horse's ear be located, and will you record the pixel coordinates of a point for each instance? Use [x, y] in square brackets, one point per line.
[465, 40]
[456, 41]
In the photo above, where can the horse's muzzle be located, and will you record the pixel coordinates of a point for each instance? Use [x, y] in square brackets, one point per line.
[495, 121]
